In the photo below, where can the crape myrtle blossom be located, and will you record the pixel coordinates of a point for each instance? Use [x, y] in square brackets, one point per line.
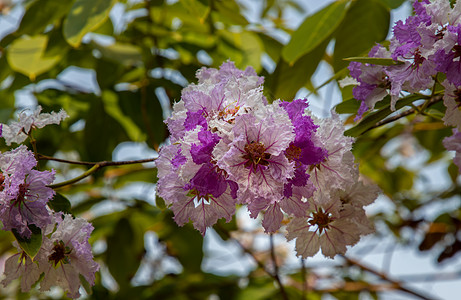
[373, 82]
[20, 265]
[23, 192]
[331, 225]
[65, 254]
[229, 146]
[17, 132]
[453, 143]
[452, 101]
[197, 188]
[425, 43]
[337, 169]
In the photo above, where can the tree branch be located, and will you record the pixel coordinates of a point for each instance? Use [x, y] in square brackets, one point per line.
[95, 166]
[276, 268]
[257, 261]
[426, 105]
[394, 283]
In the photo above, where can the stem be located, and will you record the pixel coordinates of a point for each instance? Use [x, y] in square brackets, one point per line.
[256, 260]
[385, 277]
[426, 104]
[276, 268]
[78, 178]
[95, 166]
[304, 279]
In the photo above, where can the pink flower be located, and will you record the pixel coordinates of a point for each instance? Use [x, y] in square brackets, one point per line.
[24, 192]
[334, 222]
[66, 255]
[256, 159]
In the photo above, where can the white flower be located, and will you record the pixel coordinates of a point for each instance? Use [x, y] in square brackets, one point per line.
[20, 265]
[66, 255]
[17, 132]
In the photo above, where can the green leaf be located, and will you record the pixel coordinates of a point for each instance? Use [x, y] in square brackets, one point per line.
[112, 107]
[125, 54]
[375, 61]
[26, 56]
[86, 285]
[197, 9]
[185, 243]
[145, 110]
[314, 31]
[392, 3]
[40, 14]
[107, 28]
[84, 17]
[101, 134]
[286, 80]
[373, 118]
[123, 252]
[352, 37]
[60, 203]
[272, 47]
[229, 12]
[5, 69]
[30, 245]
[244, 47]
[350, 106]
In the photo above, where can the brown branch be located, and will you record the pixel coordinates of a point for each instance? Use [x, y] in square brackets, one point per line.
[304, 280]
[95, 167]
[256, 260]
[276, 268]
[431, 102]
[394, 283]
[101, 163]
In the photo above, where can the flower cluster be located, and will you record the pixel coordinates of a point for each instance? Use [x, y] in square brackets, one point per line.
[230, 146]
[428, 47]
[64, 253]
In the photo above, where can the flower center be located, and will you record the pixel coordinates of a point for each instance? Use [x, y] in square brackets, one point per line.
[293, 152]
[21, 195]
[321, 219]
[199, 198]
[59, 253]
[255, 155]
[2, 182]
[418, 59]
[457, 49]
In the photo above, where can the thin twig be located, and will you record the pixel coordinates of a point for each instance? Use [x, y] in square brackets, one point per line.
[276, 268]
[433, 100]
[95, 166]
[385, 277]
[304, 280]
[256, 260]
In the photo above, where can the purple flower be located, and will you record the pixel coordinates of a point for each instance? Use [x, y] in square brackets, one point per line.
[255, 160]
[66, 255]
[374, 83]
[21, 266]
[448, 60]
[338, 169]
[452, 101]
[24, 192]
